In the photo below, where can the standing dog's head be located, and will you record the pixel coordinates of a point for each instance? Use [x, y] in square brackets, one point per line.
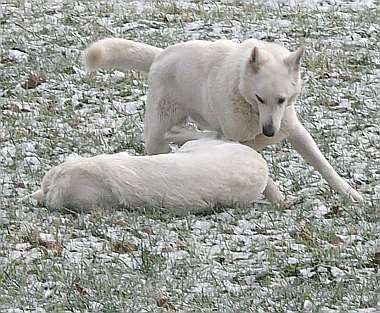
[271, 81]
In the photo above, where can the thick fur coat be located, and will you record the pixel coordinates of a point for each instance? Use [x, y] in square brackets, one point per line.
[245, 91]
[202, 174]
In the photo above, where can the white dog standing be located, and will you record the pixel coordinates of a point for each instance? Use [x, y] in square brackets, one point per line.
[202, 174]
[244, 91]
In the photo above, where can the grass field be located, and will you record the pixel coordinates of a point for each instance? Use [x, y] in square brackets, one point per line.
[321, 255]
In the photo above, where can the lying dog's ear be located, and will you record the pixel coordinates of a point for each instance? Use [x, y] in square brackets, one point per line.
[293, 60]
[256, 59]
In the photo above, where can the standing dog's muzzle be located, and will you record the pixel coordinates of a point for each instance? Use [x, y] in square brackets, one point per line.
[268, 130]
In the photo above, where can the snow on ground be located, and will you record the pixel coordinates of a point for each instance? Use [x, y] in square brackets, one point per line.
[320, 255]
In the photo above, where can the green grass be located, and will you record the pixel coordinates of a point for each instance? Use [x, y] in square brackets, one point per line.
[258, 259]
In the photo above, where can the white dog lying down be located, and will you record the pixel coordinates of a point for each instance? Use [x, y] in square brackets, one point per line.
[203, 173]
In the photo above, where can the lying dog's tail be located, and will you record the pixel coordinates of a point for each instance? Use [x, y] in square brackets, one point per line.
[120, 54]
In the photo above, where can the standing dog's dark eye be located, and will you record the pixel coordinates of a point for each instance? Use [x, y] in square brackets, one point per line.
[281, 100]
[260, 99]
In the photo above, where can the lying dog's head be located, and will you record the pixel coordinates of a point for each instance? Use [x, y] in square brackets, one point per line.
[270, 82]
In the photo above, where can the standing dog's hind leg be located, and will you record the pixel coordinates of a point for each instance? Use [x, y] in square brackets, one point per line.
[302, 141]
[160, 116]
[181, 134]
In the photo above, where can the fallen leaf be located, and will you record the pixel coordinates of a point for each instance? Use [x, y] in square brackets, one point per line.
[33, 81]
[376, 259]
[121, 223]
[334, 212]
[80, 289]
[147, 231]
[161, 301]
[181, 245]
[19, 184]
[336, 241]
[53, 246]
[124, 247]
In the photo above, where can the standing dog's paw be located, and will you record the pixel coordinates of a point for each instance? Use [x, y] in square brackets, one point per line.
[354, 195]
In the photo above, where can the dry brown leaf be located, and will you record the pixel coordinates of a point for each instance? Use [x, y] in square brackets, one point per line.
[161, 301]
[20, 184]
[80, 289]
[334, 212]
[33, 81]
[181, 245]
[124, 247]
[121, 223]
[336, 241]
[53, 246]
[376, 259]
[147, 231]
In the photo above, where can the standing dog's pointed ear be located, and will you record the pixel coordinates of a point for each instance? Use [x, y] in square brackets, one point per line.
[256, 59]
[293, 60]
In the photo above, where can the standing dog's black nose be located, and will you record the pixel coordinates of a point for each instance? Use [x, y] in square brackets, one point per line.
[268, 130]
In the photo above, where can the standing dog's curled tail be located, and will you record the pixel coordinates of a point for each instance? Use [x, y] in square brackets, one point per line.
[120, 54]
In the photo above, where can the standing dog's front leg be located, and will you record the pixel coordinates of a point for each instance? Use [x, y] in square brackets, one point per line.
[302, 141]
[271, 192]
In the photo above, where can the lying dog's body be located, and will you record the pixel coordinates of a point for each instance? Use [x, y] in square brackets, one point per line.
[244, 91]
[202, 174]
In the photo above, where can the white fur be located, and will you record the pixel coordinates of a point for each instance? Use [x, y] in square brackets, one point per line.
[219, 85]
[120, 54]
[203, 173]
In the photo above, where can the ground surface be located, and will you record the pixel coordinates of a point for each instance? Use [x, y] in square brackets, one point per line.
[320, 256]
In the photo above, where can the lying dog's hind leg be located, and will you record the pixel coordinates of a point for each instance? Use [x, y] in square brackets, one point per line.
[302, 141]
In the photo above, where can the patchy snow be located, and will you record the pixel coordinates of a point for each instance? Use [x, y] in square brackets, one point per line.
[18, 56]
[264, 257]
